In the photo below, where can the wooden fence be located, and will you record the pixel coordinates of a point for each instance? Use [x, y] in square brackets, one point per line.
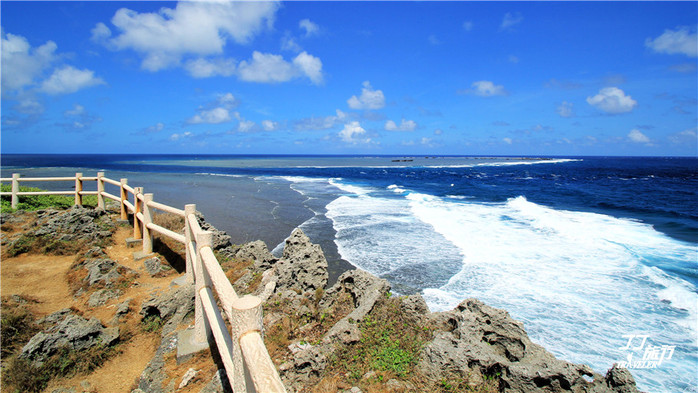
[242, 350]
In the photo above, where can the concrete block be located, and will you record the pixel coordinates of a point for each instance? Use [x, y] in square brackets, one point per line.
[187, 345]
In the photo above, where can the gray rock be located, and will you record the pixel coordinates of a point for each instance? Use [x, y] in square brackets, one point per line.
[153, 377]
[220, 239]
[219, 383]
[154, 266]
[477, 339]
[101, 296]
[75, 224]
[187, 377]
[365, 289]
[74, 332]
[302, 266]
[171, 307]
[103, 271]
[620, 380]
[258, 252]
[55, 318]
[414, 305]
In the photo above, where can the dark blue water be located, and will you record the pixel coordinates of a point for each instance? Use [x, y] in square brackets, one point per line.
[583, 250]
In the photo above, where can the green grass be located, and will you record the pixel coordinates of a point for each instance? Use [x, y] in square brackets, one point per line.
[38, 202]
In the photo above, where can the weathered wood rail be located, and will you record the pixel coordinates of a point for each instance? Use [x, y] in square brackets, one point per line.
[247, 363]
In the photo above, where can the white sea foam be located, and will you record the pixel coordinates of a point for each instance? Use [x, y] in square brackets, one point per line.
[579, 281]
[349, 188]
[398, 190]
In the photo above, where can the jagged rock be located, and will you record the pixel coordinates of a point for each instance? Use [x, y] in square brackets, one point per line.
[220, 239]
[95, 253]
[187, 377]
[155, 266]
[477, 339]
[258, 252]
[172, 306]
[101, 296]
[620, 380]
[302, 266]
[307, 365]
[365, 289]
[56, 317]
[76, 223]
[219, 383]
[152, 378]
[414, 305]
[73, 332]
[105, 272]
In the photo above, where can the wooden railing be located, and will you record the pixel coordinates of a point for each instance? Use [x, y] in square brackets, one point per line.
[242, 350]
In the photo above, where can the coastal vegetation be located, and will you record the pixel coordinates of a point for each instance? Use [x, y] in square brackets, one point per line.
[38, 202]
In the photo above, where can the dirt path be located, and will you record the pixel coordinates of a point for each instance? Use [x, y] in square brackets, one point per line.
[44, 278]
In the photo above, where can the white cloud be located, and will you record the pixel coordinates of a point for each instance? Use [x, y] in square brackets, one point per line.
[191, 28]
[508, 141]
[289, 43]
[246, 125]
[203, 68]
[321, 123]
[309, 27]
[22, 64]
[352, 131]
[687, 137]
[69, 80]
[510, 20]
[310, 66]
[369, 99]
[468, 25]
[679, 41]
[612, 100]
[638, 137]
[154, 128]
[486, 89]
[100, 33]
[438, 131]
[77, 110]
[269, 68]
[269, 125]
[213, 116]
[566, 109]
[227, 100]
[29, 106]
[405, 125]
[176, 137]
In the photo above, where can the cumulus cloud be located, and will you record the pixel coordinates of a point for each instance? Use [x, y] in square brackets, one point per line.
[78, 119]
[246, 125]
[638, 137]
[154, 128]
[191, 28]
[29, 106]
[612, 100]
[268, 125]
[508, 141]
[352, 133]
[369, 99]
[309, 27]
[566, 109]
[679, 41]
[22, 64]
[204, 68]
[687, 137]
[76, 111]
[185, 135]
[270, 68]
[405, 125]
[69, 79]
[485, 89]
[510, 20]
[212, 116]
[321, 123]
[289, 43]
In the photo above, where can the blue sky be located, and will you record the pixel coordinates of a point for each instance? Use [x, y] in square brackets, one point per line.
[499, 78]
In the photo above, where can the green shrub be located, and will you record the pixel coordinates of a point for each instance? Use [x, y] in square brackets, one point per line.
[38, 202]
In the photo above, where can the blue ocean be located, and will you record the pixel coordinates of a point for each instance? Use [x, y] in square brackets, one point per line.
[598, 256]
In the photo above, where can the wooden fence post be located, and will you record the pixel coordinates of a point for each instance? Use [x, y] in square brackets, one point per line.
[138, 207]
[100, 190]
[147, 219]
[188, 210]
[78, 189]
[202, 329]
[246, 317]
[15, 190]
[124, 197]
